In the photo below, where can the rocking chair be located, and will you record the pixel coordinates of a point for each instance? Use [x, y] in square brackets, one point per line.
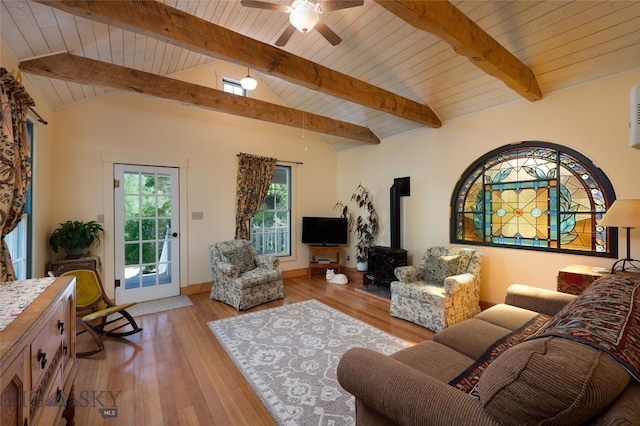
[93, 307]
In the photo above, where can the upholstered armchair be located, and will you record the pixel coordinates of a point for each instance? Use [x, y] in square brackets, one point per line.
[241, 277]
[443, 290]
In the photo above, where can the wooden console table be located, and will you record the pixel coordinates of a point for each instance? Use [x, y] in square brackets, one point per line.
[87, 262]
[317, 263]
[37, 351]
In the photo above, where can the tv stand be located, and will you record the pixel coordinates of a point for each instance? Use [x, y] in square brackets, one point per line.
[316, 263]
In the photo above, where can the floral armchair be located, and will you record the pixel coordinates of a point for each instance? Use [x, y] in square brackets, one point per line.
[443, 290]
[241, 277]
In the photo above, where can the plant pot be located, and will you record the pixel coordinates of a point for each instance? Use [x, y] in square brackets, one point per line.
[362, 266]
[74, 252]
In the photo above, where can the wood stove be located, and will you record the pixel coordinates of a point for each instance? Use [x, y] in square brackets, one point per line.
[384, 260]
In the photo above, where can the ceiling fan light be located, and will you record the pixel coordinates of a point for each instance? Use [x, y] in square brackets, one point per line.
[303, 18]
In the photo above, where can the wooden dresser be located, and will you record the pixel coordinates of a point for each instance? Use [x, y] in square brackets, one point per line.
[37, 351]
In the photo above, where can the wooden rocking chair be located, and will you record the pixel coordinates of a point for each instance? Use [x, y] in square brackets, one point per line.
[93, 308]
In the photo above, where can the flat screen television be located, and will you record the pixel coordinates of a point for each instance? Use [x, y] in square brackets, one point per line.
[324, 230]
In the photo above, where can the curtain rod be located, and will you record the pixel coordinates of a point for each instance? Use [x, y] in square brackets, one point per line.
[14, 80]
[282, 161]
[38, 116]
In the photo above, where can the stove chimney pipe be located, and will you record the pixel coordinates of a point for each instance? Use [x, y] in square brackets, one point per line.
[401, 188]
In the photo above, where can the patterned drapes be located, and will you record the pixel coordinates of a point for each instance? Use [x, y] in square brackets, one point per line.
[15, 162]
[254, 177]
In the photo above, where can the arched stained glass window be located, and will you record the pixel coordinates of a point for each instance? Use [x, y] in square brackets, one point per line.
[534, 195]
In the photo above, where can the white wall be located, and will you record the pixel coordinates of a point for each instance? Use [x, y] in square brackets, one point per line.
[592, 119]
[139, 129]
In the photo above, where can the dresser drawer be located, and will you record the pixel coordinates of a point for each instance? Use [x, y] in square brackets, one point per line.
[45, 347]
[50, 408]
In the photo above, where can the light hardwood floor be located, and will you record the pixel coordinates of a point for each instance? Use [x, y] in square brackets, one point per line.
[176, 373]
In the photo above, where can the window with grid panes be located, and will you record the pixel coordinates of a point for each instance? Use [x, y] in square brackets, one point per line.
[271, 227]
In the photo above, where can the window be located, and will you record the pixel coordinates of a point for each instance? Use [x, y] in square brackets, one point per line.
[271, 226]
[534, 195]
[19, 240]
[233, 86]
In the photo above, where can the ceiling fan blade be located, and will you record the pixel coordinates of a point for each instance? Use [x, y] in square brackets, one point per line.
[328, 33]
[286, 35]
[329, 5]
[263, 5]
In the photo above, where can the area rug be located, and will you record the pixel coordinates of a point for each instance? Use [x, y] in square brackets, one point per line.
[159, 305]
[289, 357]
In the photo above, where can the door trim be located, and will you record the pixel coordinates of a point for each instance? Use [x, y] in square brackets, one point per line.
[108, 161]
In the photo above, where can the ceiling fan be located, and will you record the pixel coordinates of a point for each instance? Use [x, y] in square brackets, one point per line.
[304, 16]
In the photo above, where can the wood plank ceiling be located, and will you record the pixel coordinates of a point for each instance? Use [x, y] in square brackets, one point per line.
[559, 43]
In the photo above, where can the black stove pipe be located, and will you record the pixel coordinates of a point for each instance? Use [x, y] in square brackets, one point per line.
[400, 188]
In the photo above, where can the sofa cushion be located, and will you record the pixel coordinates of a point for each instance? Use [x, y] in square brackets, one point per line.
[471, 337]
[438, 268]
[434, 359]
[550, 380]
[510, 317]
[256, 277]
[421, 291]
[239, 256]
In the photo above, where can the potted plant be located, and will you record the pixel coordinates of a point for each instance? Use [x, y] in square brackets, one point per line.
[365, 225]
[74, 237]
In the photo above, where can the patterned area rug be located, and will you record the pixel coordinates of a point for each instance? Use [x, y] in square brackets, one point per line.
[468, 380]
[289, 357]
[159, 305]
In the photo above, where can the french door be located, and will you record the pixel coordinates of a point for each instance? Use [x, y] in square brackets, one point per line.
[147, 243]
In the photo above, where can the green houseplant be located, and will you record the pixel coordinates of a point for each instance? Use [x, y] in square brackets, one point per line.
[365, 225]
[75, 236]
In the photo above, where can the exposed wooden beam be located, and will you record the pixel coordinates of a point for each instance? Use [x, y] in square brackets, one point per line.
[155, 19]
[65, 66]
[444, 20]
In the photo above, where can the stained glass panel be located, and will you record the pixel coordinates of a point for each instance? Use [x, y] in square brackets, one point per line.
[534, 195]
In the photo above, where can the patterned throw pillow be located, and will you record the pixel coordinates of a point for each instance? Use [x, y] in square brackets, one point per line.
[441, 267]
[240, 257]
[465, 259]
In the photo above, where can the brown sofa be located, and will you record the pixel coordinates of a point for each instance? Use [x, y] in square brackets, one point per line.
[546, 380]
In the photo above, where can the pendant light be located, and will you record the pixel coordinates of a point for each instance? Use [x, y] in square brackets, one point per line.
[248, 83]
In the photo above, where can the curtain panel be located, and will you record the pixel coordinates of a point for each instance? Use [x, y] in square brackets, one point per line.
[254, 177]
[15, 162]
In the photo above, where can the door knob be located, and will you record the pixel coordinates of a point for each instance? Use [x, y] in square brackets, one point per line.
[175, 234]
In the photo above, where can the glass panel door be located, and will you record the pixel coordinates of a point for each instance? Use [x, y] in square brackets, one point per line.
[146, 235]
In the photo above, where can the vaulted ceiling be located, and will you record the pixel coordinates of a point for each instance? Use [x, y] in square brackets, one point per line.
[402, 65]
